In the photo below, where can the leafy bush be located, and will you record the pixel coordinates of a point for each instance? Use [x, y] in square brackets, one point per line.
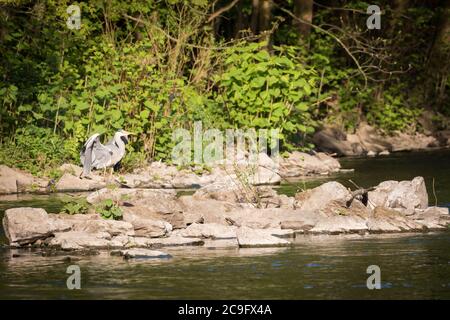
[109, 210]
[392, 114]
[263, 90]
[37, 150]
[77, 206]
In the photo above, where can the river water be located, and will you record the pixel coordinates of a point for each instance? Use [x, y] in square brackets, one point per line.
[412, 265]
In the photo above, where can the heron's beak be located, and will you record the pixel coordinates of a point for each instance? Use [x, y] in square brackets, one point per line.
[128, 133]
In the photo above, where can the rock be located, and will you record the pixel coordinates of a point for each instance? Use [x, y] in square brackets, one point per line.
[14, 181]
[248, 237]
[404, 195]
[8, 180]
[299, 225]
[142, 254]
[69, 182]
[317, 198]
[433, 218]
[205, 210]
[384, 153]
[76, 240]
[144, 204]
[404, 142]
[385, 220]
[112, 227]
[221, 243]
[333, 140]
[133, 196]
[340, 224]
[225, 190]
[71, 168]
[370, 139]
[147, 227]
[303, 164]
[26, 225]
[174, 240]
[209, 230]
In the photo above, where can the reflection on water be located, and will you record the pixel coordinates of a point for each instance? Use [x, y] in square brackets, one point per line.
[412, 265]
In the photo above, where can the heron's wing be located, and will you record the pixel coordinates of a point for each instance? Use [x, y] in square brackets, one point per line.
[93, 153]
[101, 156]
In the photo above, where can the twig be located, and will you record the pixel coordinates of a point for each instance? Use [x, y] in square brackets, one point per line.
[222, 10]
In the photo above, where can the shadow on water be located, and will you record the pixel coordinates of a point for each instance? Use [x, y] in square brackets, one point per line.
[412, 265]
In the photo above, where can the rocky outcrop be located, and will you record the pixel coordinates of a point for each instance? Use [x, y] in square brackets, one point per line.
[70, 183]
[317, 198]
[305, 164]
[26, 225]
[16, 181]
[370, 141]
[217, 220]
[406, 196]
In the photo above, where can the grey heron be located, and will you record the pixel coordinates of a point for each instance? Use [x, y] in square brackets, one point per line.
[95, 155]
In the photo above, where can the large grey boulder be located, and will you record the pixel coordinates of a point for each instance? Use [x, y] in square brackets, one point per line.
[318, 198]
[26, 225]
[406, 196]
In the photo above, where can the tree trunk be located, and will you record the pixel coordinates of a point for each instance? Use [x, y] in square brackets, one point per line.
[255, 16]
[303, 9]
[265, 15]
[439, 65]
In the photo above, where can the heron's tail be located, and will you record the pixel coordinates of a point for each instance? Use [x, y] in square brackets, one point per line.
[86, 154]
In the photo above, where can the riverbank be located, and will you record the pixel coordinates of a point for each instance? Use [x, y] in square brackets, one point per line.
[223, 215]
[158, 175]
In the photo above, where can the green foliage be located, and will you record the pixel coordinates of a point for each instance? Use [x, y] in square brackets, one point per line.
[392, 114]
[109, 210]
[37, 150]
[263, 90]
[75, 206]
[167, 69]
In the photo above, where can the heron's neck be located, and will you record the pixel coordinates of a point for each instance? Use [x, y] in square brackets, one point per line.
[120, 144]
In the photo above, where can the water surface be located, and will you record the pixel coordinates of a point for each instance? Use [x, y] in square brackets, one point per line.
[412, 265]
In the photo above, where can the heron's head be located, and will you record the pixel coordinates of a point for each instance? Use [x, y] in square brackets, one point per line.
[123, 135]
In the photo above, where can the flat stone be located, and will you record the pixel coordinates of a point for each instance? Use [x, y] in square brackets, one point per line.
[172, 241]
[209, 230]
[248, 237]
